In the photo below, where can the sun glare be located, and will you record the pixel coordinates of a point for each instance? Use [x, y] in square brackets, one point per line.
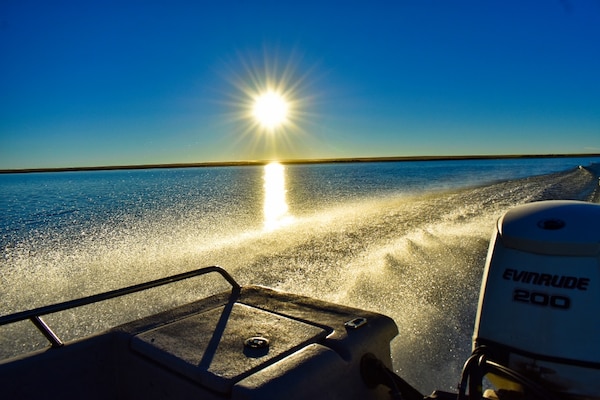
[270, 110]
[271, 107]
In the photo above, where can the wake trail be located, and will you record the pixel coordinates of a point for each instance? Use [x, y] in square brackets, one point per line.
[415, 257]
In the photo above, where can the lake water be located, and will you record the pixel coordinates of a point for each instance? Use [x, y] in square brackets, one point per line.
[407, 239]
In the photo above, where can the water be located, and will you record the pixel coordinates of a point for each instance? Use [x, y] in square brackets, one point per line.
[407, 239]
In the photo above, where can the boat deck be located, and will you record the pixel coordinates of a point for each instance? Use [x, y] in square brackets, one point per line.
[252, 343]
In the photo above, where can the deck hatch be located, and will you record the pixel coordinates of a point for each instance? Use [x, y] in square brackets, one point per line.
[209, 347]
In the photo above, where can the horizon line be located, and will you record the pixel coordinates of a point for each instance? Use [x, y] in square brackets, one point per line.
[291, 162]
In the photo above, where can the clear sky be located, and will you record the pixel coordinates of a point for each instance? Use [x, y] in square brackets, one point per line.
[89, 83]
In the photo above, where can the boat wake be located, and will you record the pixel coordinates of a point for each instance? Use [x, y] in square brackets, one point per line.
[415, 257]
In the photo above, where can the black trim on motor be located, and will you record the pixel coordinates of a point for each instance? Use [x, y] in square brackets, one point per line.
[479, 365]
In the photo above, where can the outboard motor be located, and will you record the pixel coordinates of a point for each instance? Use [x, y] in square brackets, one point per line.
[537, 329]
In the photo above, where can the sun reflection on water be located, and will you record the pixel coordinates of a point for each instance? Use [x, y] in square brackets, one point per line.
[276, 211]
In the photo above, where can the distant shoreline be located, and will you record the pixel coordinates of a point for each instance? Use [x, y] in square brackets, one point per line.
[290, 162]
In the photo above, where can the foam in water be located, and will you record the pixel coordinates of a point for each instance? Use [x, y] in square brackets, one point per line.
[415, 257]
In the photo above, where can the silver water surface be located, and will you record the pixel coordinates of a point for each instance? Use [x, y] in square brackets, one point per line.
[405, 239]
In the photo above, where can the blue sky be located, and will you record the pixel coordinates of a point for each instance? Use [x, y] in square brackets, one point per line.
[88, 83]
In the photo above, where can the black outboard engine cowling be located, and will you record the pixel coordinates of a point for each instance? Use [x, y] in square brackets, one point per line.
[539, 306]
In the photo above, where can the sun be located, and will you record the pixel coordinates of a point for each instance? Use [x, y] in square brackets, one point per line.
[272, 101]
[270, 110]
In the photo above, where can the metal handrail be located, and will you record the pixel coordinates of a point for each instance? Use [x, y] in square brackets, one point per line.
[35, 314]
